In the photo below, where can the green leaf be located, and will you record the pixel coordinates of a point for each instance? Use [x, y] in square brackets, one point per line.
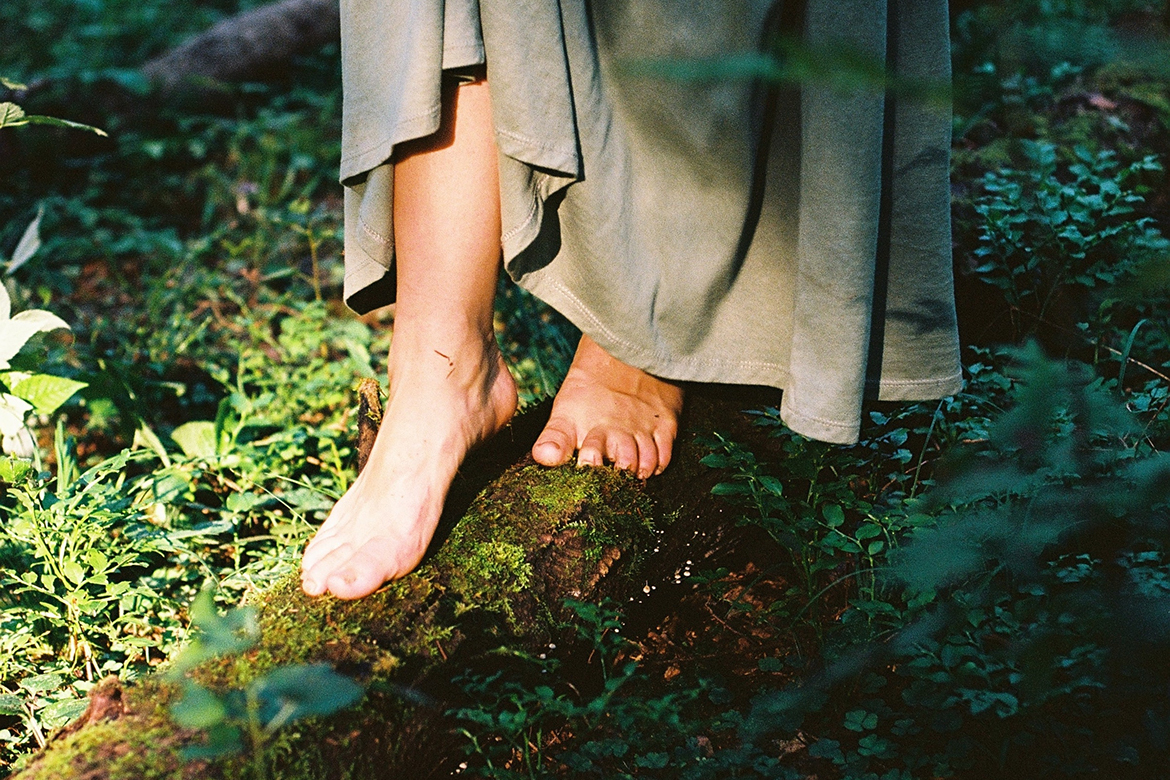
[13, 85]
[17, 330]
[196, 439]
[198, 708]
[860, 720]
[11, 115]
[29, 243]
[301, 690]
[46, 392]
[770, 664]
[772, 485]
[11, 705]
[834, 515]
[827, 748]
[245, 502]
[222, 740]
[730, 489]
[74, 572]
[716, 460]
[52, 121]
[171, 485]
[305, 499]
[42, 683]
[145, 437]
[12, 470]
[652, 760]
[217, 634]
[62, 713]
[96, 559]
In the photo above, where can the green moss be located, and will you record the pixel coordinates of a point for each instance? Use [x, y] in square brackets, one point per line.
[563, 489]
[493, 572]
[139, 747]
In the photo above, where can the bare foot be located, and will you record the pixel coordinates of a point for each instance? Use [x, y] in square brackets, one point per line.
[609, 411]
[441, 405]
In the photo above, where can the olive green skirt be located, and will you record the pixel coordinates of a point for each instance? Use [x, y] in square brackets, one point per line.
[709, 231]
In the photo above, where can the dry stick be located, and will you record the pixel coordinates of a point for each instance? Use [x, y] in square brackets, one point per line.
[369, 419]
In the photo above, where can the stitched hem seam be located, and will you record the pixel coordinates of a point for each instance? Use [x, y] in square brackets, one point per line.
[821, 420]
[381, 239]
[525, 223]
[532, 142]
[381, 151]
[913, 382]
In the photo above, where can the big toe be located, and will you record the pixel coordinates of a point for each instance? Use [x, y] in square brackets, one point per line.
[360, 576]
[315, 578]
[555, 444]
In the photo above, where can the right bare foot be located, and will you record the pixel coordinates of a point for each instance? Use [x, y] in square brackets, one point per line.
[609, 411]
[441, 404]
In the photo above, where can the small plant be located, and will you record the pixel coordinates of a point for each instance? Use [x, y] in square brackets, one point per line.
[1055, 225]
[12, 115]
[28, 392]
[251, 716]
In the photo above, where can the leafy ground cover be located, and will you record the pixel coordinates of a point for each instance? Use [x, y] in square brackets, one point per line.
[977, 589]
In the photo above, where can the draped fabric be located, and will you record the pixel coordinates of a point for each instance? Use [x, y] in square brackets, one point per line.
[711, 231]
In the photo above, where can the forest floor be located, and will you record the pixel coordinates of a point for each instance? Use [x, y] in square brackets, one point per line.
[973, 590]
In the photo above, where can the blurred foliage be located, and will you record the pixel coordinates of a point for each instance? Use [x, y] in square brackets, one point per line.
[1029, 592]
[252, 715]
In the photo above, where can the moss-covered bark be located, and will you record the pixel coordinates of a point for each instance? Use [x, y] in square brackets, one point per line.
[518, 539]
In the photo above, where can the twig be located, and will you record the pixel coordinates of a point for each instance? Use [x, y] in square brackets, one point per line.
[369, 419]
[1098, 343]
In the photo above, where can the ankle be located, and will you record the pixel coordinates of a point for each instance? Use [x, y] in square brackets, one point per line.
[455, 353]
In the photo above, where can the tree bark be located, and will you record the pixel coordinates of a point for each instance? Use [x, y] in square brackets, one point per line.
[517, 539]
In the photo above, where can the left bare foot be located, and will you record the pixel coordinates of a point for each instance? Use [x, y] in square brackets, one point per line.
[439, 408]
[608, 411]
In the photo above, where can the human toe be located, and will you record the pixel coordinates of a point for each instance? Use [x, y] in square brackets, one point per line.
[647, 455]
[593, 448]
[621, 449]
[360, 576]
[321, 545]
[555, 444]
[315, 578]
[664, 446]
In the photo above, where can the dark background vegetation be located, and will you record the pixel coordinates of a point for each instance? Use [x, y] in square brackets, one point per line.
[978, 589]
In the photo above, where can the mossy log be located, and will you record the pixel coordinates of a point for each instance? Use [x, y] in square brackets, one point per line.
[516, 541]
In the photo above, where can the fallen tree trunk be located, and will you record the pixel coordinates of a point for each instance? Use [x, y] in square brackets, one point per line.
[256, 45]
[248, 47]
[516, 541]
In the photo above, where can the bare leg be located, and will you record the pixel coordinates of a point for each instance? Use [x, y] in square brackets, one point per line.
[449, 388]
[608, 411]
